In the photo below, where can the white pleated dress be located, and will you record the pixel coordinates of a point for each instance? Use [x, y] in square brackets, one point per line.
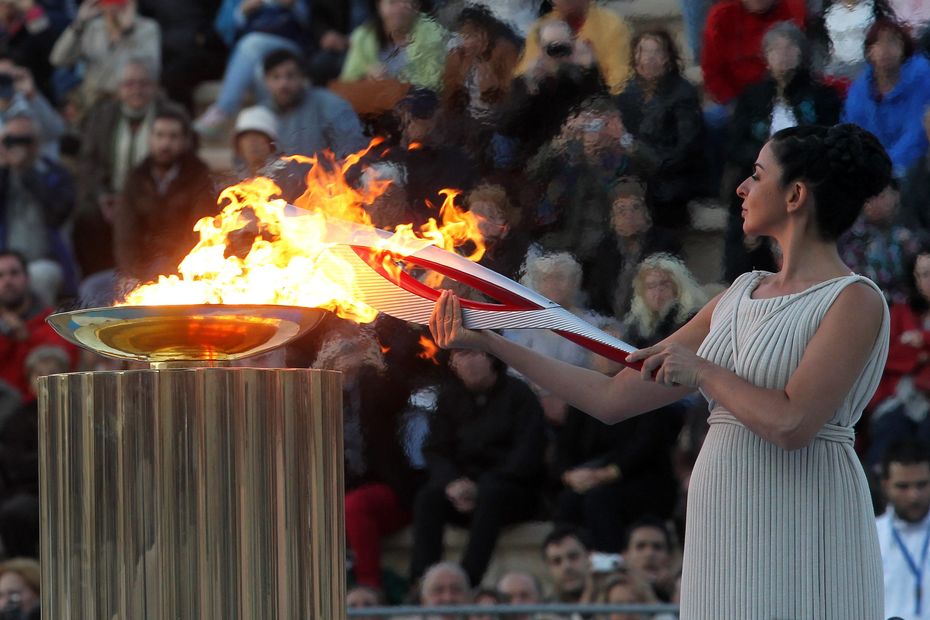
[772, 534]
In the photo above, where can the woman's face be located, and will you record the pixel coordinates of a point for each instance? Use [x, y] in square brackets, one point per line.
[887, 53]
[559, 288]
[763, 196]
[652, 61]
[622, 594]
[782, 57]
[629, 216]
[398, 15]
[922, 275]
[659, 290]
[14, 587]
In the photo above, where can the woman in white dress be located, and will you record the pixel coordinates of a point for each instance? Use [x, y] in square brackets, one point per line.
[779, 521]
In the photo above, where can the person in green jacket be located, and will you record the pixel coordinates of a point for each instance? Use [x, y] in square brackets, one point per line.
[399, 42]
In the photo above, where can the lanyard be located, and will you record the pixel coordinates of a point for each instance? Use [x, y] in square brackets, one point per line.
[916, 569]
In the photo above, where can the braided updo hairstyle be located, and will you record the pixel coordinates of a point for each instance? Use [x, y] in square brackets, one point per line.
[843, 166]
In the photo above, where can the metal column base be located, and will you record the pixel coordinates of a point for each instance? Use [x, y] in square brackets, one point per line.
[192, 494]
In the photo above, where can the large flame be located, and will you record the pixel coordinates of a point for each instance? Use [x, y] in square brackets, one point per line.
[260, 250]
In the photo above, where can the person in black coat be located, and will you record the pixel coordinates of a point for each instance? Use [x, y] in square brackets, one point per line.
[484, 455]
[662, 112]
[787, 96]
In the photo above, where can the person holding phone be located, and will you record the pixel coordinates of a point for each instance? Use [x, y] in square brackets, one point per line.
[780, 520]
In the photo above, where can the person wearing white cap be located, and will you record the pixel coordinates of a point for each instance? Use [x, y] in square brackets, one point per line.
[255, 140]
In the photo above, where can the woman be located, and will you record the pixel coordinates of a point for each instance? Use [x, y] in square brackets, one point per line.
[20, 580]
[839, 34]
[787, 96]
[662, 112]
[665, 297]
[625, 588]
[787, 360]
[399, 42]
[890, 97]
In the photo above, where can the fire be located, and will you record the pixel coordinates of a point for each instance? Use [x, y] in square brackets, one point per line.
[429, 349]
[260, 250]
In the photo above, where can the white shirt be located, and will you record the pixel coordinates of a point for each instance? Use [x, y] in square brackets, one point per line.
[900, 584]
[782, 117]
[847, 27]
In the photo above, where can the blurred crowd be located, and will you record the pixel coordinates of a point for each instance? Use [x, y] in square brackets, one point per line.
[585, 147]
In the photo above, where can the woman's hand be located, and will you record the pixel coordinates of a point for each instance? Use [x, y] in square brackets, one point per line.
[446, 326]
[670, 364]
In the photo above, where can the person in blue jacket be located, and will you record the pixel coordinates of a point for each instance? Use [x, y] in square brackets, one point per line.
[890, 97]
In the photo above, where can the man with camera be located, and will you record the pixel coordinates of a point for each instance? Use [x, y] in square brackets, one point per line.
[19, 96]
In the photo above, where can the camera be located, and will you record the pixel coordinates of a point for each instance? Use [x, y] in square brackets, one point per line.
[559, 49]
[7, 89]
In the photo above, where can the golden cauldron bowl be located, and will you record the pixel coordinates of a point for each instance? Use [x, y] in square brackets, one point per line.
[213, 333]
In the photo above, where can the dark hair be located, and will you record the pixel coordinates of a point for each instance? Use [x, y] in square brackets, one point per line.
[666, 40]
[650, 522]
[843, 166]
[479, 16]
[278, 57]
[174, 112]
[488, 592]
[904, 452]
[914, 299]
[886, 23]
[497, 364]
[20, 258]
[563, 531]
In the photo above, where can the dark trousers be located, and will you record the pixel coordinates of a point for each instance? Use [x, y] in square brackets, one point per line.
[499, 503]
[607, 511]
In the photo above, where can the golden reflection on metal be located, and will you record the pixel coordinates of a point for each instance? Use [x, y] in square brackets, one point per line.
[185, 333]
[185, 491]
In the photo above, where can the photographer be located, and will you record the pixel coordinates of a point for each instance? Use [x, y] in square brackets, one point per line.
[18, 96]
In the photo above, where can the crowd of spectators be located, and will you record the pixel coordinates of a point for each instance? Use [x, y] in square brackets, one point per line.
[581, 143]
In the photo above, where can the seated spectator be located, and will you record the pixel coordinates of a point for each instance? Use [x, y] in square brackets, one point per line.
[518, 15]
[890, 97]
[609, 275]
[520, 588]
[18, 96]
[648, 554]
[556, 276]
[572, 176]
[22, 324]
[486, 598]
[731, 56]
[164, 196]
[20, 585]
[360, 597]
[425, 161]
[662, 112]
[399, 42]
[333, 22]
[605, 33]
[499, 223]
[36, 198]
[444, 584]
[915, 190]
[310, 119]
[27, 35]
[191, 50]
[626, 588]
[255, 141]
[477, 77]
[665, 297]
[901, 403]
[567, 555]
[563, 76]
[484, 456]
[879, 248]
[903, 528]
[786, 96]
[842, 27]
[379, 482]
[102, 37]
[261, 27]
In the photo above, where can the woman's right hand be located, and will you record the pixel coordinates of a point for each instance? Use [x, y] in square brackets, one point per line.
[447, 327]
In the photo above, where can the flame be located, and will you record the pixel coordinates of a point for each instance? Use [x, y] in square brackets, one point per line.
[260, 250]
[429, 349]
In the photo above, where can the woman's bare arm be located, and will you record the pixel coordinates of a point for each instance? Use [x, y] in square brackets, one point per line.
[608, 399]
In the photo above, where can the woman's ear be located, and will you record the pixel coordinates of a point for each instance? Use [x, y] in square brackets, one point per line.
[797, 196]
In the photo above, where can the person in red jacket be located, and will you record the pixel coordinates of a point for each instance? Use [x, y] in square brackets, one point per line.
[901, 404]
[22, 324]
[732, 56]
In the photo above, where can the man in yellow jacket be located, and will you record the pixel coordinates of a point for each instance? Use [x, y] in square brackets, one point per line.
[604, 30]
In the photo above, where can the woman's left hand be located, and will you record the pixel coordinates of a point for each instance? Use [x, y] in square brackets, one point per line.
[670, 364]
